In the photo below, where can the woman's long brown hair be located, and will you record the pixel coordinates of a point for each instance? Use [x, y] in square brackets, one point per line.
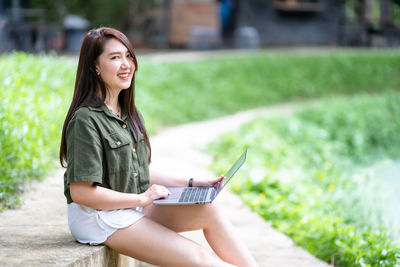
[87, 82]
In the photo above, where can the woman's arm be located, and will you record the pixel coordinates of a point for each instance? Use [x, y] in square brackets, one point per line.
[97, 197]
[176, 181]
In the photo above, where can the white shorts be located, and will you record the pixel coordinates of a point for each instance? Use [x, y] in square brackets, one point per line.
[90, 226]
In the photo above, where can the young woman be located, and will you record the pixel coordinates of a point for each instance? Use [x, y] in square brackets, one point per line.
[109, 190]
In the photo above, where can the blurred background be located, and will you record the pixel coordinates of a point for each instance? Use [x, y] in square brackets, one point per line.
[326, 175]
[59, 25]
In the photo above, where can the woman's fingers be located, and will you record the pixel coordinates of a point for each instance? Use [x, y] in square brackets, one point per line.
[158, 191]
[218, 180]
[208, 182]
[154, 192]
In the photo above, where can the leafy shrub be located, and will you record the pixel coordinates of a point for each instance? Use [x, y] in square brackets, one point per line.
[367, 126]
[34, 94]
[301, 175]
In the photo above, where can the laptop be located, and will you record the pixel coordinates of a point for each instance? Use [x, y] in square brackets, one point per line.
[200, 195]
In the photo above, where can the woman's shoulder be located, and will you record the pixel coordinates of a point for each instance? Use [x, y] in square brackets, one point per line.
[84, 114]
[82, 117]
[83, 124]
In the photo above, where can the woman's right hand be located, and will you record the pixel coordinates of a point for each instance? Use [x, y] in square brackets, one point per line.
[154, 192]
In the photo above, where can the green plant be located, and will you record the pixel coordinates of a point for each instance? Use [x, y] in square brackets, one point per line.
[34, 94]
[302, 176]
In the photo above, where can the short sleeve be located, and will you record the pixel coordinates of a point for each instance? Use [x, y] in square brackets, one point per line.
[84, 149]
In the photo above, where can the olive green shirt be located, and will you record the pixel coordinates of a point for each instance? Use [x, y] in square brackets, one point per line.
[101, 148]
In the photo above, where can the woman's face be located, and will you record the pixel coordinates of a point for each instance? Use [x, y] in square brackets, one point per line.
[115, 65]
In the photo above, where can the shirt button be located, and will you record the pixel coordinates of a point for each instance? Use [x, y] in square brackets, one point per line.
[135, 174]
[134, 150]
[124, 126]
[118, 143]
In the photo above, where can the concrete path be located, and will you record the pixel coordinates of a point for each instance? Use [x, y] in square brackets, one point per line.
[37, 233]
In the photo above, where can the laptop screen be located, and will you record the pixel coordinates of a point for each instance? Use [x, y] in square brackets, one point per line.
[234, 169]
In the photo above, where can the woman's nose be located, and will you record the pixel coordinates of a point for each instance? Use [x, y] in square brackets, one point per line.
[125, 63]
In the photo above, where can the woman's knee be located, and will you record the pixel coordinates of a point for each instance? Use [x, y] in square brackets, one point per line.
[212, 213]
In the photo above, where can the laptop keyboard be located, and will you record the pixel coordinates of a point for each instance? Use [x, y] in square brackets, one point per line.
[194, 194]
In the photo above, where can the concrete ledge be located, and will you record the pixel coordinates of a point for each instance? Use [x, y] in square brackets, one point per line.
[37, 233]
[105, 257]
[100, 257]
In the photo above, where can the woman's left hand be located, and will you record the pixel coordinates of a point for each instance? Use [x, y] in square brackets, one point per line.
[208, 182]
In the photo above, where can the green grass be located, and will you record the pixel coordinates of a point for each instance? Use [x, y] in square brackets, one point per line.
[36, 91]
[173, 93]
[306, 176]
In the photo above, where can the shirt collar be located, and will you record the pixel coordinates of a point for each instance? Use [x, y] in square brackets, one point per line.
[96, 104]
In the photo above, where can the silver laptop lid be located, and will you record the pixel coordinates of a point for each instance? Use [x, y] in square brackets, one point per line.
[233, 170]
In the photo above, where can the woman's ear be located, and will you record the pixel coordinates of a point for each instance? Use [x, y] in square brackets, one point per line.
[96, 70]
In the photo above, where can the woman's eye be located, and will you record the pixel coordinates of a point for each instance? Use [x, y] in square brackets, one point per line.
[115, 57]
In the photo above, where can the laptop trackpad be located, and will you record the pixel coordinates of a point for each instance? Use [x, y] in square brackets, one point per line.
[173, 197]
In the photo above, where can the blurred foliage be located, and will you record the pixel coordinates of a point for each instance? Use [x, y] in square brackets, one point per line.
[191, 91]
[353, 10]
[36, 92]
[34, 95]
[302, 175]
[125, 15]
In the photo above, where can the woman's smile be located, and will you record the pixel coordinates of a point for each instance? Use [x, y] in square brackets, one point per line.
[124, 75]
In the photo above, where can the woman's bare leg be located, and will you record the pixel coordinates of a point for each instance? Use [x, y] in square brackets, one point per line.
[217, 230]
[153, 243]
